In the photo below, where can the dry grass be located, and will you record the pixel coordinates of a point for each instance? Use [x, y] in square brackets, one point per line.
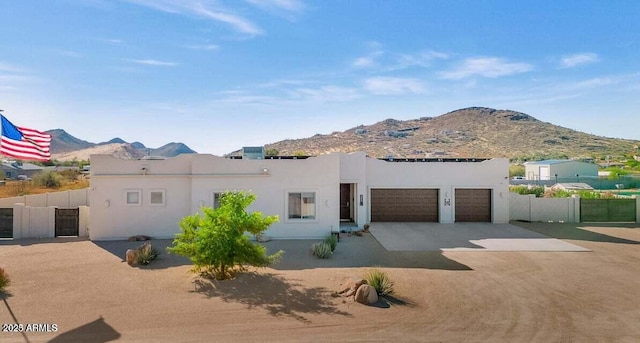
[19, 188]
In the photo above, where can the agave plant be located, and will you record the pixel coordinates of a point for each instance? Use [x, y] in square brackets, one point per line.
[322, 250]
[379, 280]
[147, 253]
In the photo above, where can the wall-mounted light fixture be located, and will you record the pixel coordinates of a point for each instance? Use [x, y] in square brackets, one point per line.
[361, 200]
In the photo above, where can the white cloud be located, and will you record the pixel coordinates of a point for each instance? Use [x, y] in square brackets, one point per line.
[155, 63]
[578, 59]
[206, 9]
[9, 68]
[422, 59]
[290, 6]
[394, 86]
[491, 67]
[208, 47]
[326, 94]
[364, 62]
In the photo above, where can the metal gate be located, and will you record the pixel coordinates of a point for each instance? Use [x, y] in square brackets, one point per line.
[67, 221]
[607, 210]
[6, 222]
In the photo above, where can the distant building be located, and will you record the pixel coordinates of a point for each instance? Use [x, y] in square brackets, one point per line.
[12, 169]
[253, 153]
[559, 170]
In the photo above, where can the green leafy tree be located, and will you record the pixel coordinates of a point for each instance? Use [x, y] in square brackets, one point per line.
[271, 152]
[217, 242]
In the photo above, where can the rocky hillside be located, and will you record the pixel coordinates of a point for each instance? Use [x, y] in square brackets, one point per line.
[65, 147]
[469, 132]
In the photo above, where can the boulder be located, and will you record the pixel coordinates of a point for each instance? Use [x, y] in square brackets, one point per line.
[366, 294]
[350, 286]
[139, 238]
[132, 256]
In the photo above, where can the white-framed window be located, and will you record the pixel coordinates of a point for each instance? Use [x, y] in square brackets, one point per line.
[157, 197]
[133, 197]
[301, 205]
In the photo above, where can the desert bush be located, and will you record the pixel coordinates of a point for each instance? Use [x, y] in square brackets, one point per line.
[48, 179]
[4, 279]
[322, 250]
[332, 240]
[528, 189]
[69, 174]
[147, 254]
[379, 280]
[216, 240]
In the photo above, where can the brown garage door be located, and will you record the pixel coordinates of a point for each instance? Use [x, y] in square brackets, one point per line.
[473, 205]
[404, 205]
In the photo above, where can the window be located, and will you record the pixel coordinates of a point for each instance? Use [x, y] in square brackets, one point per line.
[133, 197]
[157, 197]
[216, 200]
[302, 205]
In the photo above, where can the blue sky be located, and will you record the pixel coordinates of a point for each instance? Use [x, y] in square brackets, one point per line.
[218, 75]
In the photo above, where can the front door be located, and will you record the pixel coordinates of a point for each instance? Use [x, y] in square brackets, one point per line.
[346, 201]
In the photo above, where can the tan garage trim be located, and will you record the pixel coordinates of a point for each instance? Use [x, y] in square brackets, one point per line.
[473, 205]
[404, 205]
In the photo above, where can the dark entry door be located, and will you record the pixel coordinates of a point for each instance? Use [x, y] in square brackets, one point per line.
[67, 221]
[6, 222]
[345, 202]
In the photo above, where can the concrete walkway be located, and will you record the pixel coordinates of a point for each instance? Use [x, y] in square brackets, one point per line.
[464, 237]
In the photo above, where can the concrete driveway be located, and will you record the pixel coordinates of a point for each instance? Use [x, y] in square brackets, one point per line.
[464, 237]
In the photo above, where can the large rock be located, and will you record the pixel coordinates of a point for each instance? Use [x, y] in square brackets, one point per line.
[350, 286]
[366, 294]
[132, 256]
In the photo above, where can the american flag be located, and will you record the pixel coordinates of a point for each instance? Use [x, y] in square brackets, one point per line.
[24, 143]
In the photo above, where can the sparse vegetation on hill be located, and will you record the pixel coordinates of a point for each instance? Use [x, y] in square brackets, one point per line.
[470, 132]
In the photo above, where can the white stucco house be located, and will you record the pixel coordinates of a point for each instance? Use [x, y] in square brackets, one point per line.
[312, 196]
[559, 170]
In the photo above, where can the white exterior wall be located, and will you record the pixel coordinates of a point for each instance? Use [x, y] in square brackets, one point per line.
[530, 208]
[189, 182]
[446, 177]
[112, 218]
[319, 175]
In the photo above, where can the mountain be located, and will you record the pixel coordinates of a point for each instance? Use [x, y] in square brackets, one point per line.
[469, 132]
[66, 147]
[61, 141]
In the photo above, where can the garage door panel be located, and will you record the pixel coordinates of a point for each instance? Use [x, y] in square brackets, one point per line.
[404, 205]
[473, 205]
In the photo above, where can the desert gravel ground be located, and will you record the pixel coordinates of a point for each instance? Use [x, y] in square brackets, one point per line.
[91, 295]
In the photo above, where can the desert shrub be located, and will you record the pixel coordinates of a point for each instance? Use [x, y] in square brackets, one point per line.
[528, 189]
[379, 280]
[322, 250]
[558, 193]
[332, 240]
[4, 279]
[69, 174]
[216, 240]
[147, 254]
[48, 179]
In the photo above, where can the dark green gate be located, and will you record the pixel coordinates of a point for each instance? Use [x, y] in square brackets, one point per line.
[6, 222]
[607, 210]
